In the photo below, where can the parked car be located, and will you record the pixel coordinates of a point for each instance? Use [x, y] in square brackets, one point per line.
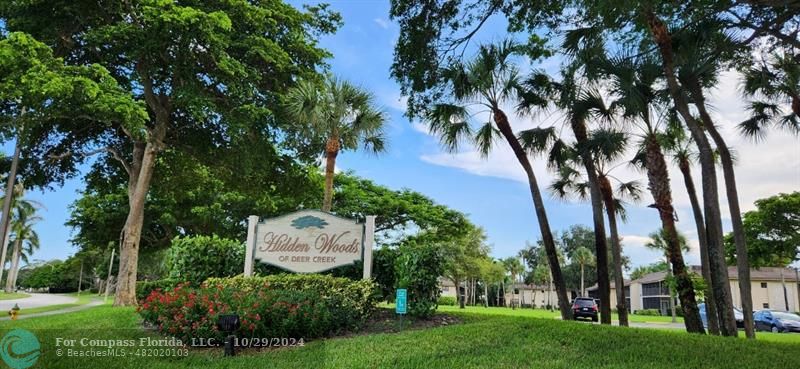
[776, 321]
[584, 307]
[736, 313]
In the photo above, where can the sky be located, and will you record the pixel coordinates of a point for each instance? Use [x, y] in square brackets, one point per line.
[492, 191]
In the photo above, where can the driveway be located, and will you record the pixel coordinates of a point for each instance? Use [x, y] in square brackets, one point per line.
[37, 300]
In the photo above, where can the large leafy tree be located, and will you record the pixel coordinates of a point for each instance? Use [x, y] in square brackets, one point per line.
[208, 72]
[772, 231]
[343, 115]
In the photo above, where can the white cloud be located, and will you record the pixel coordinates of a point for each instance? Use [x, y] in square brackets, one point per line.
[383, 23]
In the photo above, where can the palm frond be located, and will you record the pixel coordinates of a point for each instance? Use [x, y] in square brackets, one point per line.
[537, 140]
[485, 138]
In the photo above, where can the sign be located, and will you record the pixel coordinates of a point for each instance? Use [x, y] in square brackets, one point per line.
[401, 301]
[308, 241]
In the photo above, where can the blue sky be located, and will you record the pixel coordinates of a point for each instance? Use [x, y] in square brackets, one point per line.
[492, 192]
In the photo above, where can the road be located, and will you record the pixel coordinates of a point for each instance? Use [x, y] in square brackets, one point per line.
[36, 300]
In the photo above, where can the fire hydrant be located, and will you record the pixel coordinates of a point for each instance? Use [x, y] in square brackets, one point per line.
[14, 312]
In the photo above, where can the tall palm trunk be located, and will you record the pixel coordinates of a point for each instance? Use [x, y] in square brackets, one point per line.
[331, 151]
[658, 182]
[486, 294]
[719, 271]
[601, 248]
[697, 211]
[616, 249]
[5, 220]
[12, 270]
[501, 120]
[742, 262]
[672, 299]
[785, 292]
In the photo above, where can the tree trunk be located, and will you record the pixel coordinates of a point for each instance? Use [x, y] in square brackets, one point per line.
[501, 120]
[5, 220]
[461, 296]
[486, 294]
[12, 270]
[785, 292]
[697, 211]
[616, 248]
[583, 290]
[671, 298]
[595, 195]
[719, 270]
[132, 231]
[742, 262]
[658, 183]
[505, 301]
[331, 151]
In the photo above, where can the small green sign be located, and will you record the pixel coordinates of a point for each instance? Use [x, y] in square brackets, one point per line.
[401, 301]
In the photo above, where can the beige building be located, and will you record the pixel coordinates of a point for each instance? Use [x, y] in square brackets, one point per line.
[527, 295]
[447, 288]
[651, 292]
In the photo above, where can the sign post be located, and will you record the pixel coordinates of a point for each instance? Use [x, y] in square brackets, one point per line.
[309, 241]
[401, 304]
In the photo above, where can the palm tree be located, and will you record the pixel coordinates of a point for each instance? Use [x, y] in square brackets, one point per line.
[700, 51]
[486, 83]
[25, 241]
[632, 80]
[583, 257]
[663, 39]
[514, 267]
[658, 242]
[775, 81]
[680, 148]
[341, 113]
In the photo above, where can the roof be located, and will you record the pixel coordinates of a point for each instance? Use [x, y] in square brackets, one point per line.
[595, 287]
[760, 274]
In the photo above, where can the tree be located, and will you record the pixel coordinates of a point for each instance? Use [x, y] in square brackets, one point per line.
[343, 114]
[461, 252]
[772, 231]
[642, 270]
[226, 63]
[24, 238]
[487, 82]
[633, 80]
[658, 242]
[775, 79]
[583, 257]
[513, 267]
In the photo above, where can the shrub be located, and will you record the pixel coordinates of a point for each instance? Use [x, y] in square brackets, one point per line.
[446, 301]
[144, 288]
[355, 299]
[193, 259]
[418, 269]
[648, 312]
[188, 313]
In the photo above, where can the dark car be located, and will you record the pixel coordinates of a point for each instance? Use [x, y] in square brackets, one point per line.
[776, 321]
[584, 307]
[736, 313]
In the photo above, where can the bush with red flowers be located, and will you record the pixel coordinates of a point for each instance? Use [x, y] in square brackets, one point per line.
[285, 306]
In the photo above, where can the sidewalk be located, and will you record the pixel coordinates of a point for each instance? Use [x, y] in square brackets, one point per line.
[59, 311]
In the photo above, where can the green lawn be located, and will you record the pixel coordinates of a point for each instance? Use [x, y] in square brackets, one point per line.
[541, 313]
[13, 295]
[482, 341]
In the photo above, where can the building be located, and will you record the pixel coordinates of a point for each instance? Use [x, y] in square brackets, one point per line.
[651, 291]
[592, 292]
[447, 288]
[527, 295]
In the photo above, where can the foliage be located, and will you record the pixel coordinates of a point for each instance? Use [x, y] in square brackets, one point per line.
[648, 312]
[355, 299]
[642, 270]
[189, 313]
[446, 301]
[195, 259]
[145, 288]
[384, 260]
[418, 268]
[55, 275]
[772, 232]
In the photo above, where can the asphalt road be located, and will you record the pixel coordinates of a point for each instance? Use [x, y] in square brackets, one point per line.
[37, 300]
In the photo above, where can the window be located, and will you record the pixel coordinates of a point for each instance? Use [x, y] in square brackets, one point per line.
[766, 305]
[516, 291]
[763, 284]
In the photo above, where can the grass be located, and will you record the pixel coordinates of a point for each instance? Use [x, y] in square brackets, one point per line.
[542, 313]
[13, 295]
[483, 340]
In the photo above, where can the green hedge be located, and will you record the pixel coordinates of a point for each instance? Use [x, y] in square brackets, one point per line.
[144, 288]
[446, 301]
[417, 269]
[194, 259]
[355, 299]
[648, 312]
